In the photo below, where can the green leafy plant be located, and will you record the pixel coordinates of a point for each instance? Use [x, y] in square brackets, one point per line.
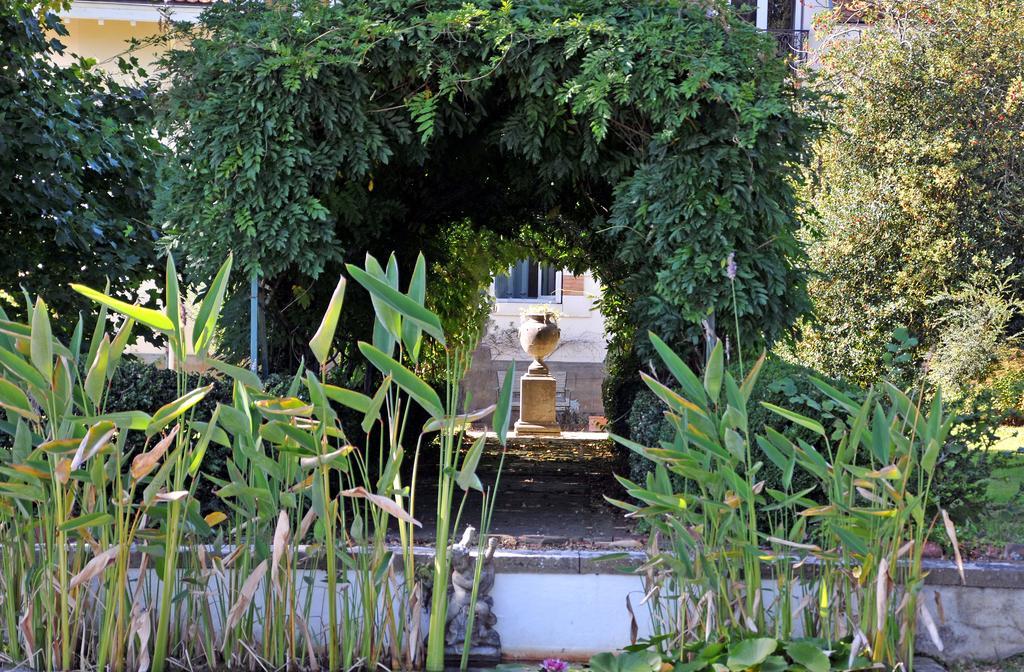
[298, 498]
[760, 654]
[708, 544]
[78, 162]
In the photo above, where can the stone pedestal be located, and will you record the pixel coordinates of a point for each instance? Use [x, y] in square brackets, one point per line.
[537, 406]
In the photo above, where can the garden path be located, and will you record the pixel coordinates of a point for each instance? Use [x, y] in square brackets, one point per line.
[551, 493]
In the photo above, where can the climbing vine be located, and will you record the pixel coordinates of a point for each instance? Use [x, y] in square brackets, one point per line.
[645, 140]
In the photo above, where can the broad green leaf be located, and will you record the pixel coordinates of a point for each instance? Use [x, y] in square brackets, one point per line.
[62, 385]
[205, 327]
[931, 456]
[808, 655]
[15, 400]
[503, 412]
[244, 376]
[204, 442]
[407, 307]
[75, 344]
[691, 385]
[772, 453]
[136, 420]
[423, 393]
[282, 432]
[357, 401]
[26, 491]
[14, 331]
[95, 519]
[387, 326]
[5, 341]
[98, 330]
[176, 408]
[842, 399]
[119, 343]
[735, 444]
[172, 301]
[42, 340]
[673, 400]
[96, 379]
[814, 461]
[880, 435]
[714, 371]
[153, 319]
[321, 342]
[412, 335]
[750, 652]
[792, 416]
[373, 411]
[322, 410]
[771, 664]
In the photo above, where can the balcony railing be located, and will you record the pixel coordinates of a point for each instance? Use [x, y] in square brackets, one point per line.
[792, 43]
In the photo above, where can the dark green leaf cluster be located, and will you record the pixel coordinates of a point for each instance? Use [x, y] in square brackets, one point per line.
[77, 162]
[760, 654]
[651, 138]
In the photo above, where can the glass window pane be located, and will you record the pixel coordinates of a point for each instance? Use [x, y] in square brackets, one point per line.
[548, 277]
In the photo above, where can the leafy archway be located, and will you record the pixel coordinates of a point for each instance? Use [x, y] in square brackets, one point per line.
[648, 141]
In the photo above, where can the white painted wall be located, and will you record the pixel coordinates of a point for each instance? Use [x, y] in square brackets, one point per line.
[571, 616]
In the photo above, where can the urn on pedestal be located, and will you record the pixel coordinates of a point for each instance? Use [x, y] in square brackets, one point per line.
[538, 334]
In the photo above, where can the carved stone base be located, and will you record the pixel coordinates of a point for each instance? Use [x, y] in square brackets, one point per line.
[537, 406]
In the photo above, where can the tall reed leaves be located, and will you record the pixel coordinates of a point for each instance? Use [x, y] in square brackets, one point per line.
[845, 554]
[303, 505]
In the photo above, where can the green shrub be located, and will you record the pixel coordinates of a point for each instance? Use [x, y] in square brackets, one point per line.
[351, 145]
[912, 195]
[621, 385]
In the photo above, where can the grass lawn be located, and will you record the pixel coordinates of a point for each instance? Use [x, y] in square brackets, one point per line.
[1006, 482]
[1004, 522]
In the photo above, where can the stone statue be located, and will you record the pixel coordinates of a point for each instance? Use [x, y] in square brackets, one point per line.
[485, 643]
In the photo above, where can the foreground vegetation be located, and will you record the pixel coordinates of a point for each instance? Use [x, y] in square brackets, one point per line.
[78, 514]
[860, 544]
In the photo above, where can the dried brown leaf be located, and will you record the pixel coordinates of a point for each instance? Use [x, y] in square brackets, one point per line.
[146, 462]
[280, 545]
[245, 596]
[951, 533]
[95, 567]
[387, 505]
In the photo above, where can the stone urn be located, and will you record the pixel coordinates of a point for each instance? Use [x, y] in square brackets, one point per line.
[539, 334]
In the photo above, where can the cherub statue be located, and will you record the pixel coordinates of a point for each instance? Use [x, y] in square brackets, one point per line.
[485, 643]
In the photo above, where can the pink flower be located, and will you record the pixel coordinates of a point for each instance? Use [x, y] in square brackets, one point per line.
[554, 665]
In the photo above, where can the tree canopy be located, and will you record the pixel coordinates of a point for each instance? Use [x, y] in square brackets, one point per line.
[645, 140]
[77, 165]
[918, 197]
